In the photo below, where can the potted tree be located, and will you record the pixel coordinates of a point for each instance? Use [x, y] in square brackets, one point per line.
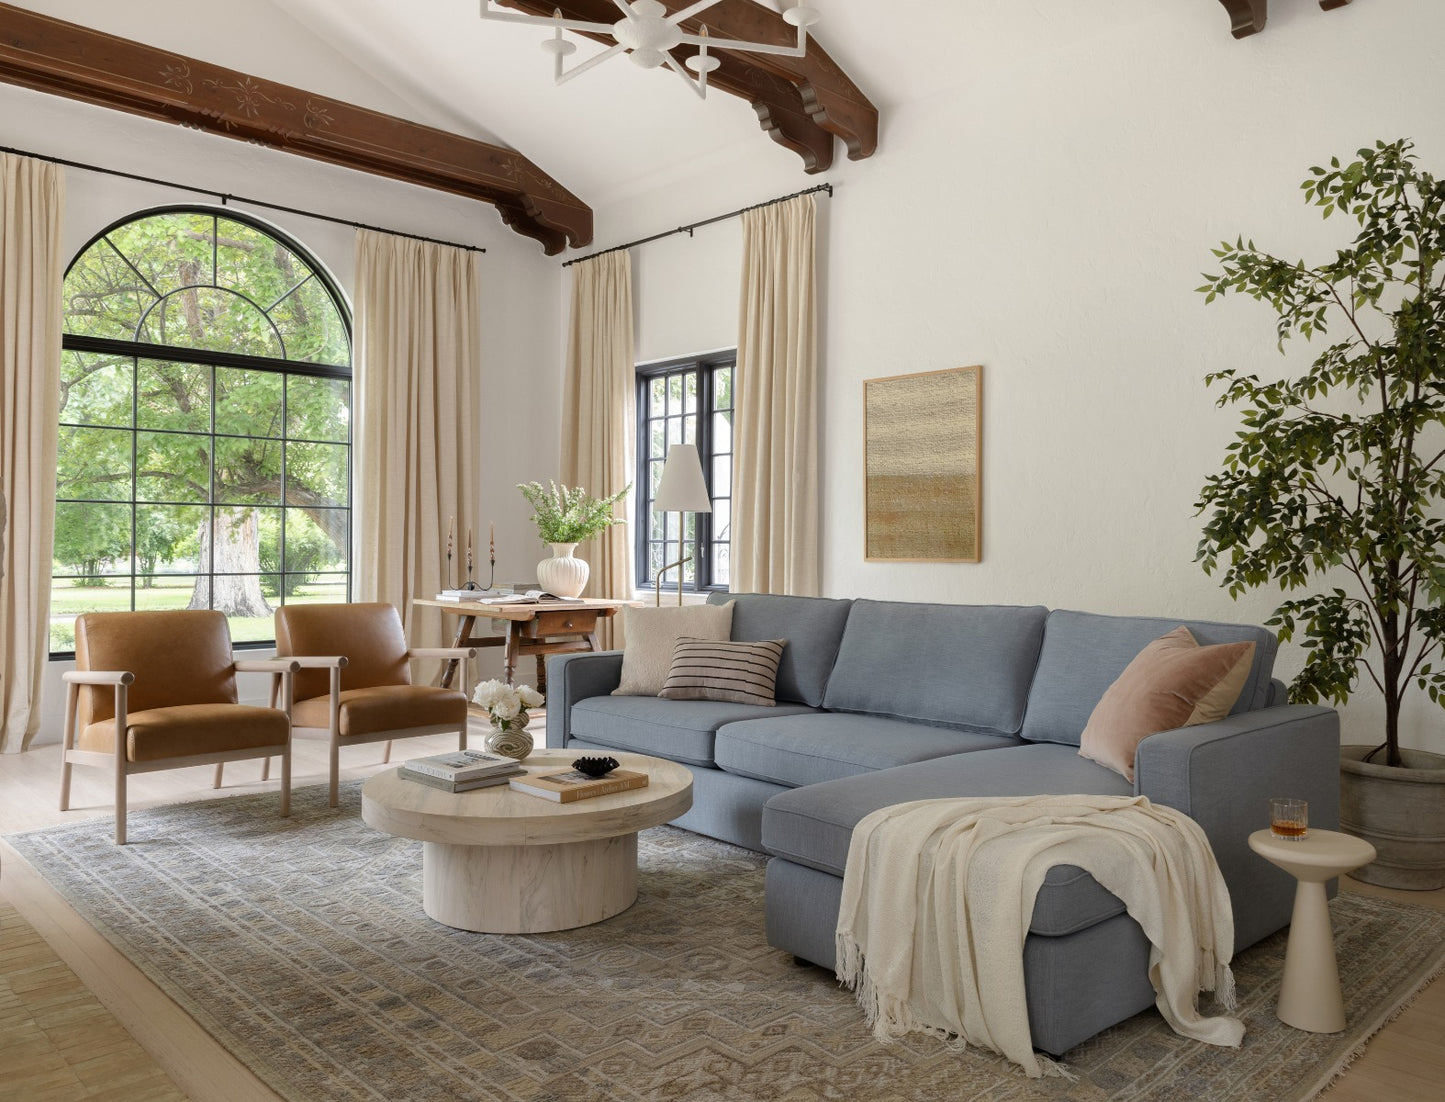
[1334, 487]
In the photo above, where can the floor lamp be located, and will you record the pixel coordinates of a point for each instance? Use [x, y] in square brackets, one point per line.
[681, 491]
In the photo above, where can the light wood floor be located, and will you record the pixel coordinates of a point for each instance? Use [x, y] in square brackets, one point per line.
[79, 1021]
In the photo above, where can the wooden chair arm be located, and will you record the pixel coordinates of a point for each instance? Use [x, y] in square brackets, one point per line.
[267, 665]
[98, 677]
[442, 652]
[320, 661]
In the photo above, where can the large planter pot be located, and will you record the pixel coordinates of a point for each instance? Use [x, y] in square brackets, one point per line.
[563, 574]
[1401, 812]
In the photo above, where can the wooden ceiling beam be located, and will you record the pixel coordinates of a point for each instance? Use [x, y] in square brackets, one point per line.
[1248, 17]
[69, 60]
[801, 102]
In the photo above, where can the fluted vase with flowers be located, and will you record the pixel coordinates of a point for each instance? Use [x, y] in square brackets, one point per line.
[506, 707]
[565, 516]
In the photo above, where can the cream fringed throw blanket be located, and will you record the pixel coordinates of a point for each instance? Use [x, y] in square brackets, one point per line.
[938, 896]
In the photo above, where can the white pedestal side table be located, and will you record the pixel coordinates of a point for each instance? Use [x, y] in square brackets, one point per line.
[1309, 996]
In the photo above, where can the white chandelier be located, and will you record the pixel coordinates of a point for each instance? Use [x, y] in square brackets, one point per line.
[648, 35]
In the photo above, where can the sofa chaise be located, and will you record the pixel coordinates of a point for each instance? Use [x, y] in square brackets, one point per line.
[884, 702]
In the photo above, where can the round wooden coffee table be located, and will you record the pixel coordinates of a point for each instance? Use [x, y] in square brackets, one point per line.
[504, 862]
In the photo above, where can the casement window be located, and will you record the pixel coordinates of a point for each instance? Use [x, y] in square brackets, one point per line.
[205, 425]
[685, 402]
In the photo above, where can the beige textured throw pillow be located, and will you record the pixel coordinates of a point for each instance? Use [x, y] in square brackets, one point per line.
[652, 633]
[1171, 683]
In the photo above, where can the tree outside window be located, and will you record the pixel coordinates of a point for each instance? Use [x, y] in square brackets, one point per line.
[685, 402]
[205, 409]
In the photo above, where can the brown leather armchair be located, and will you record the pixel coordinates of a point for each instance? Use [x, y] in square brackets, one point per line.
[157, 690]
[354, 684]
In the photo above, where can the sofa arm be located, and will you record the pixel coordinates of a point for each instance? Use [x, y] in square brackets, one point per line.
[1222, 775]
[574, 677]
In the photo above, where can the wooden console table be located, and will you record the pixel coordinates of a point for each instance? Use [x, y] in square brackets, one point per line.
[532, 629]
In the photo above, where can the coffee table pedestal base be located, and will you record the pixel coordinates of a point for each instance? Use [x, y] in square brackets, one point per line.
[529, 889]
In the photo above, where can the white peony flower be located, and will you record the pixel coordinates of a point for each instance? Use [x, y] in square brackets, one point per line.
[530, 697]
[506, 709]
[489, 692]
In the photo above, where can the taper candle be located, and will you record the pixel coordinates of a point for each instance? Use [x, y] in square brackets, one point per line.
[469, 552]
[492, 541]
[451, 525]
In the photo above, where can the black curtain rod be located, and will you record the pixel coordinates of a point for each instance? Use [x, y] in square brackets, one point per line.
[705, 222]
[226, 198]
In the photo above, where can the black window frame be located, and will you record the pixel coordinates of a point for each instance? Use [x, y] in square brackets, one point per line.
[137, 351]
[705, 367]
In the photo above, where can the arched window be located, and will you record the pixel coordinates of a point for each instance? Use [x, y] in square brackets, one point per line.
[205, 424]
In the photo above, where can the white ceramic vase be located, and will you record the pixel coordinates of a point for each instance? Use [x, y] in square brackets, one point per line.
[563, 574]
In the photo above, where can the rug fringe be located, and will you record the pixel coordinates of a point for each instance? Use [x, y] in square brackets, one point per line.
[1334, 1076]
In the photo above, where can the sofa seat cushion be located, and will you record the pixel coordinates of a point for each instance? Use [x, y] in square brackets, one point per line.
[813, 825]
[384, 708]
[964, 666]
[679, 730]
[156, 734]
[1084, 653]
[805, 749]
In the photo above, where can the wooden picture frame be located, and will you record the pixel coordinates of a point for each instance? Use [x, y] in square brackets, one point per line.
[922, 467]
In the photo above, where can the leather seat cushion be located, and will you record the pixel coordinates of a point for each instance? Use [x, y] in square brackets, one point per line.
[384, 708]
[156, 734]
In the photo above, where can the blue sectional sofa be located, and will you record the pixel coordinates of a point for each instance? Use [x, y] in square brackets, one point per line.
[883, 702]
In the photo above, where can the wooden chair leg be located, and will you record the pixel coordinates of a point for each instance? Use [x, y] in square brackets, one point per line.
[266, 769]
[119, 801]
[72, 696]
[216, 783]
[386, 753]
[335, 768]
[285, 780]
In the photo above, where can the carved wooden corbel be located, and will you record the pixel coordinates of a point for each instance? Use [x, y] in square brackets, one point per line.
[66, 59]
[1248, 16]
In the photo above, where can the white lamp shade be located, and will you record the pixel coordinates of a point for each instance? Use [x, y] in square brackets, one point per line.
[682, 488]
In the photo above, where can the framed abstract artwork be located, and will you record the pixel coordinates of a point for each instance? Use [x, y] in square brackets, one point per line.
[921, 460]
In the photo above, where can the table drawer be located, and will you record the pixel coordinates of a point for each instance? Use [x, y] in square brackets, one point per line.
[562, 620]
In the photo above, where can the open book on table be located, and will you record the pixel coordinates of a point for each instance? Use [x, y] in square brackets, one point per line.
[530, 597]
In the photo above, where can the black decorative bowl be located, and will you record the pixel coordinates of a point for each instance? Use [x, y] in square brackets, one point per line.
[595, 767]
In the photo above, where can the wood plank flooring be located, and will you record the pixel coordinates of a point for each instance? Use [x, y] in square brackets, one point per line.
[79, 1021]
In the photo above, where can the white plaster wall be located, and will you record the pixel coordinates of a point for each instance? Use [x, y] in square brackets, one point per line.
[1049, 217]
[520, 319]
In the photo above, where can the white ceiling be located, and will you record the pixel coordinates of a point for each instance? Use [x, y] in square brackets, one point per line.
[610, 131]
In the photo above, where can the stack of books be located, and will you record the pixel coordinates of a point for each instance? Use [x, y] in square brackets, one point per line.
[568, 785]
[461, 770]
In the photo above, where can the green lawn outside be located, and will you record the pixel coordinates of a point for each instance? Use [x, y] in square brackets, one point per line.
[68, 600]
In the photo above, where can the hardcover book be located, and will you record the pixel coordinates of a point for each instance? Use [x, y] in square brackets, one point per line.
[461, 765]
[430, 781]
[567, 785]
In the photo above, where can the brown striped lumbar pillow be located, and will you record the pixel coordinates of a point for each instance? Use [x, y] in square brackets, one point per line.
[743, 672]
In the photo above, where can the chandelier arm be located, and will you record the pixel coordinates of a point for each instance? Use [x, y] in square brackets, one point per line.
[699, 86]
[562, 77]
[503, 16]
[689, 12]
[737, 44]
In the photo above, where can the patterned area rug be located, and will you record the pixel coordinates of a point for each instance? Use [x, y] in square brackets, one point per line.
[301, 945]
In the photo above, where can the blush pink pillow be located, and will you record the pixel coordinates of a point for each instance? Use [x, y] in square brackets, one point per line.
[1173, 682]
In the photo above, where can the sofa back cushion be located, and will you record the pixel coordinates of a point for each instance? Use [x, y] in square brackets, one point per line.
[1084, 653]
[812, 626]
[963, 666]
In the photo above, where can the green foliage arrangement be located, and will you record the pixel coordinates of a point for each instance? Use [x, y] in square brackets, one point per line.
[1336, 476]
[569, 514]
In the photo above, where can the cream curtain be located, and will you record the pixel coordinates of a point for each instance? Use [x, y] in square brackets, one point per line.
[599, 414]
[32, 199]
[418, 455]
[774, 544]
